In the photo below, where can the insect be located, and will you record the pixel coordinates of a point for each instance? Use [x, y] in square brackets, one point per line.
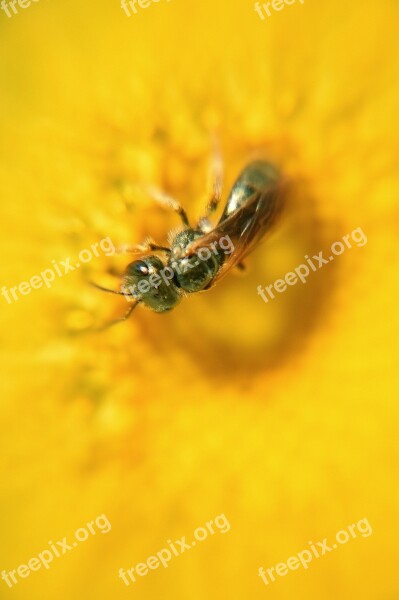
[189, 265]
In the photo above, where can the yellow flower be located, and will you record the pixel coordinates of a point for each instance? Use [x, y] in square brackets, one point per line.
[282, 415]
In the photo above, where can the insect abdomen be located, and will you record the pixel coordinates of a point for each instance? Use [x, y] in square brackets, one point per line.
[257, 176]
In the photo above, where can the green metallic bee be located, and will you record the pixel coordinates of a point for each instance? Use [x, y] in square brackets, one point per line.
[193, 263]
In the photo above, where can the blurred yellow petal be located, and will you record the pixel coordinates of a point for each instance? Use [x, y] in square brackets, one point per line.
[282, 416]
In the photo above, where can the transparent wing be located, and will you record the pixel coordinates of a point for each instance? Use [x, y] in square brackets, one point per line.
[246, 227]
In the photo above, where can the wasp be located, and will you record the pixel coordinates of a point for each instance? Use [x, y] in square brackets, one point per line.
[189, 265]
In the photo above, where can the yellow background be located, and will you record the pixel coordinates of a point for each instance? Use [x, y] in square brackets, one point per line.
[282, 416]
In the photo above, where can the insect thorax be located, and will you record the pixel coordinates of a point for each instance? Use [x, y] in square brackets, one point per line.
[193, 273]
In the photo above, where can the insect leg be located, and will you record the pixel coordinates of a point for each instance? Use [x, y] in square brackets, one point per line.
[167, 202]
[216, 176]
[104, 289]
[147, 246]
[119, 293]
[124, 318]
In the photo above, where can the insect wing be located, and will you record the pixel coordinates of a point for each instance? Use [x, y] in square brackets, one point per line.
[245, 227]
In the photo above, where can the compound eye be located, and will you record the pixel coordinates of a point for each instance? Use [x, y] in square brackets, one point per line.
[138, 267]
